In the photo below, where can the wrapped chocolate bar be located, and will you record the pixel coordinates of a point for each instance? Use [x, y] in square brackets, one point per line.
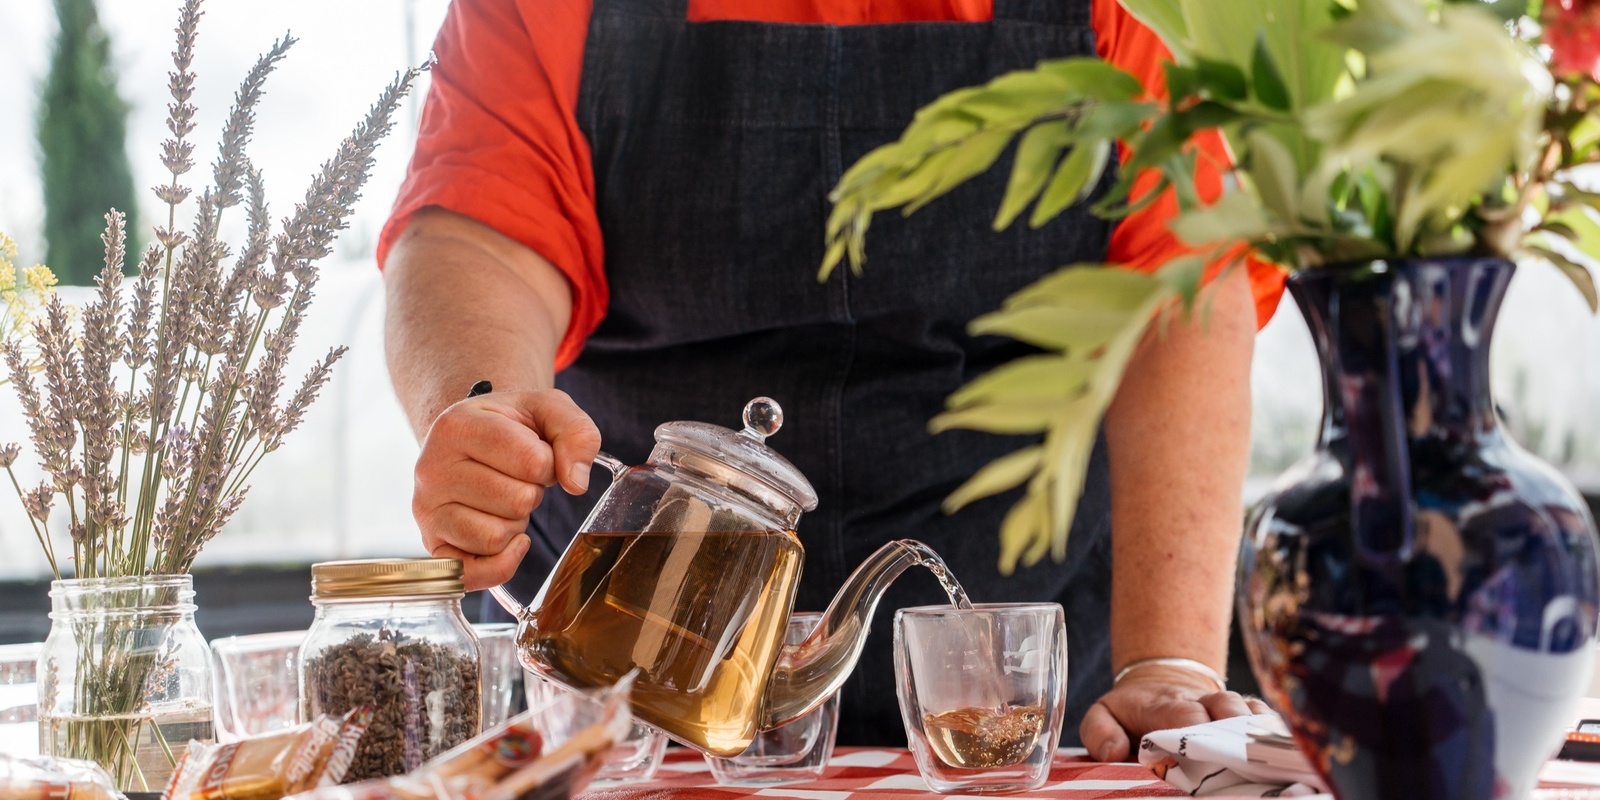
[271, 766]
[514, 761]
[45, 778]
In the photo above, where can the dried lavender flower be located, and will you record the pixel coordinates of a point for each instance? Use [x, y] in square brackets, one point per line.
[8, 455]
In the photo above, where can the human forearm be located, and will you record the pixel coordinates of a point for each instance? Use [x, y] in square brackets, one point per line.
[466, 304]
[1178, 438]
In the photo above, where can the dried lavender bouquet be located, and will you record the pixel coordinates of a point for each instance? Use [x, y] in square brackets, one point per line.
[149, 417]
[149, 421]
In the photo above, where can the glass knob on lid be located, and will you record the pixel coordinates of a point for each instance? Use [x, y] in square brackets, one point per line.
[740, 460]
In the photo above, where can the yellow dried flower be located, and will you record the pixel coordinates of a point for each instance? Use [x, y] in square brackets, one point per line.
[39, 278]
[21, 294]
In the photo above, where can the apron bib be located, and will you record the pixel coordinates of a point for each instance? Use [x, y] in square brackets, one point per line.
[715, 145]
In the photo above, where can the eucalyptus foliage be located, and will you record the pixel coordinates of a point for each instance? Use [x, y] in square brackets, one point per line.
[1360, 130]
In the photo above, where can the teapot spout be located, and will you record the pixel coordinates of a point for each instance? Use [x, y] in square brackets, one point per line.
[809, 672]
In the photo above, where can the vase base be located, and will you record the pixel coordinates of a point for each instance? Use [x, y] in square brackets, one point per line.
[154, 742]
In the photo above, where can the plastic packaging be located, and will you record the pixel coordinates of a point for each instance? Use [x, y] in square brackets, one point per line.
[46, 778]
[273, 765]
[515, 761]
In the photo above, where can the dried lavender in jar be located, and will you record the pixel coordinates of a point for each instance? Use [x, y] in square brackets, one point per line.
[424, 698]
[389, 635]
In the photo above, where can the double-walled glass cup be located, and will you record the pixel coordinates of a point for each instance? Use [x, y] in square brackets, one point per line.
[791, 753]
[981, 693]
[501, 674]
[256, 683]
[635, 758]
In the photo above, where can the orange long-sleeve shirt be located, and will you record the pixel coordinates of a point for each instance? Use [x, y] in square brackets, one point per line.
[499, 139]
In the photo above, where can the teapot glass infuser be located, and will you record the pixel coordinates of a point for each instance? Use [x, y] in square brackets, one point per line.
[686, 570]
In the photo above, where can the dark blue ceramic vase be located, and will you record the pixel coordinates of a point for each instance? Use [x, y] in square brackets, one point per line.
[1419, 595]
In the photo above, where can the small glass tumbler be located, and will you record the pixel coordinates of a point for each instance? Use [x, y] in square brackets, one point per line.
[792, 753]
[633, 759]
[19, 698]
[497, 665]
[981, 693]
[256, 683]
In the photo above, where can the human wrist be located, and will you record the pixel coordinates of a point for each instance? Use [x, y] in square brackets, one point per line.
[1187, 666]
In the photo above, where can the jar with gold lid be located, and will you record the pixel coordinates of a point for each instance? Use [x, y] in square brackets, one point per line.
[389, 635]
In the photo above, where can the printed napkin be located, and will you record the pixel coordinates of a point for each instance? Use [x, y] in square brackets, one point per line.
[1240, 756]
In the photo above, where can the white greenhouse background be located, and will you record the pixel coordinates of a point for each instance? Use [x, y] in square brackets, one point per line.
[341, 485]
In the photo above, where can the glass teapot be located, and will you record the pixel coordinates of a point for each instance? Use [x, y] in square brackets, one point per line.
[686, 570]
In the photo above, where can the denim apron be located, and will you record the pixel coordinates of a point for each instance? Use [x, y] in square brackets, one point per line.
[714, 146]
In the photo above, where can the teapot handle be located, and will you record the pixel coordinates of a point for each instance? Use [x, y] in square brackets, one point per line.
[611, 462]
[502, 595]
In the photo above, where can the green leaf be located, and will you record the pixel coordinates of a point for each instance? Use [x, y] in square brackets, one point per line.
[1181, 81]
[1584, 136]
[883, 158]
[1270, 88]
[1093, 78]
[1018, 97]
[927, 133]
[971, 157]
[1183, 275]
[999, 475]
[1041, 377]
[1047, 327]
[1207, 114]
[1234, 217]
[892, 190]
[1165, 18]
[1114, 120]
[1088, 287]
[1077, 176]
[1580, 276]
[1226, 81]
[1272, 172]
[1160, 142]
[1021, 531]
[1007, 418]
[1582, 228]
[1036, 157]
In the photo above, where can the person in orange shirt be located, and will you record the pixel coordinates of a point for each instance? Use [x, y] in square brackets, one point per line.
[615, 214]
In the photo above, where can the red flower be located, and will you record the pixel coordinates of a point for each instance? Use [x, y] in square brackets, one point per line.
[1572, 30]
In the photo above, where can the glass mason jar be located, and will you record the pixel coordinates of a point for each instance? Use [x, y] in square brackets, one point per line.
[389, 635]
[125, 676]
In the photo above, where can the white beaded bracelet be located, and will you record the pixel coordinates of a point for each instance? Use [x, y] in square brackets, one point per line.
[1189, 664]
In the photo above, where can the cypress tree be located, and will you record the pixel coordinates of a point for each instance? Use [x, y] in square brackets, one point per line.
[83, 125]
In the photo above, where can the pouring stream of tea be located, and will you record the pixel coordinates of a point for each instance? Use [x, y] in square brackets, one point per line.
[951, 586]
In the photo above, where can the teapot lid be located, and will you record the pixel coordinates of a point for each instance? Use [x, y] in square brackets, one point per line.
[714, 449]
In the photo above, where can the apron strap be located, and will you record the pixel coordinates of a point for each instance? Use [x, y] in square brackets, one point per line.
[666, 9]
[1073, 13]
[1054, 12]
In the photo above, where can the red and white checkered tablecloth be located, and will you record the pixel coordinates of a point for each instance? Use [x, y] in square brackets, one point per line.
[857, 773]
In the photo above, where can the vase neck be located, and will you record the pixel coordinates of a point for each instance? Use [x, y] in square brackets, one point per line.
[1423, 326]
[1404, 347]
[170, 594]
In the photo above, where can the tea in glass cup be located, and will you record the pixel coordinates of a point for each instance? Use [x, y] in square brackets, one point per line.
[798, 751]
[982, 692]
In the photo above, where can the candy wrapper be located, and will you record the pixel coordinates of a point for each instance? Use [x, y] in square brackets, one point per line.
[271, 766]
[42, 778]
[514, 761]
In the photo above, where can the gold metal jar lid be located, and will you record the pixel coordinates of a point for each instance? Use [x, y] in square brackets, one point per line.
[385, 577]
